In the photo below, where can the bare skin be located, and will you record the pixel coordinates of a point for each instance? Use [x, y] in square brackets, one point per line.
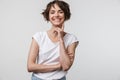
[33, 66]
[56, 34]
[66, 55]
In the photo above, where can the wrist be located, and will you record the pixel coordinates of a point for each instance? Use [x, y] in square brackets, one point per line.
[61, 40]
[58, 66]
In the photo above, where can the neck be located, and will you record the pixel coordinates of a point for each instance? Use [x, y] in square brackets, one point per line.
[53, 32]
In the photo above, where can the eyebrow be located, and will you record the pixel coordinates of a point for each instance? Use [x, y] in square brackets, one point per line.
[54, 10]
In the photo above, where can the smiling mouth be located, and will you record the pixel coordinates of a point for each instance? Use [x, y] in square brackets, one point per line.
[57, 20]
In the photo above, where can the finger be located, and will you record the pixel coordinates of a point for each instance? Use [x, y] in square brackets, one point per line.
[69, 53]
[59, 29]
[71, 56]
[71, 60]
[56, 30]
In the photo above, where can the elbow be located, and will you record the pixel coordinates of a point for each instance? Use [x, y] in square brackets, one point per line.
[65, 68]
[29, 68]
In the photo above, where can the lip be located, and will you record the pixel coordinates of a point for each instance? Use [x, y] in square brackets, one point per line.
[56, 19]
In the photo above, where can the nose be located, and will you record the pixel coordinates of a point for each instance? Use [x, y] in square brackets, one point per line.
[56, 14]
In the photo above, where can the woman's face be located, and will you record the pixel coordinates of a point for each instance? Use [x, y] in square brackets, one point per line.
[56, 16]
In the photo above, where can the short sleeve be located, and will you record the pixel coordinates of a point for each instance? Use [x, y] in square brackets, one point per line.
[36, 36]
[73, 39]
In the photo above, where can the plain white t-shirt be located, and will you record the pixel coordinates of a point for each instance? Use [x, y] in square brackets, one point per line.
[49, 53]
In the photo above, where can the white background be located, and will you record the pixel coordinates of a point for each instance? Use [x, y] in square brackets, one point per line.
[95, 22]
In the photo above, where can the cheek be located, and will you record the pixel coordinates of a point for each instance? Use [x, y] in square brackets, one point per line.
[49, 17]
[63, 16]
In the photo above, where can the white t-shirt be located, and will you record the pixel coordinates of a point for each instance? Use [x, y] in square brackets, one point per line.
[49, 53]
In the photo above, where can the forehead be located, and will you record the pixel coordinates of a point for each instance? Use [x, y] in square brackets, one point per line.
[55, 7]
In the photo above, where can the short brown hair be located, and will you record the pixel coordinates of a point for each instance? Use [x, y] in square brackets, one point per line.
[63, 5]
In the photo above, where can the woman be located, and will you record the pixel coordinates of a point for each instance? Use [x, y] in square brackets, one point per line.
[52, 52]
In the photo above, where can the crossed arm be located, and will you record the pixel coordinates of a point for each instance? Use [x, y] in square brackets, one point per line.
[32, 66]
[66, 58]
[67, 55]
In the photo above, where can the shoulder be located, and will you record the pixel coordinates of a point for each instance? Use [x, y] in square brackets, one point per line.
[38, 36]
[71, 38]
[70, 35]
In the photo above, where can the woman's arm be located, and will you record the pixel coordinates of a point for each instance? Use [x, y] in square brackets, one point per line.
[67, 55]
[32, 66]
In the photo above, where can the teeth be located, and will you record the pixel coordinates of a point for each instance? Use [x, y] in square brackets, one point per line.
[57, 20]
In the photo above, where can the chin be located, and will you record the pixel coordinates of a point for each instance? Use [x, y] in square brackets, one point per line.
[58, 25]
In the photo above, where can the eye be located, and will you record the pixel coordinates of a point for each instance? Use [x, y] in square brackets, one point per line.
[61, 12]
[52, 12]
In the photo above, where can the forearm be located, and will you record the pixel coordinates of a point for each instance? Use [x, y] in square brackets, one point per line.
[43, 68]
[64, 57]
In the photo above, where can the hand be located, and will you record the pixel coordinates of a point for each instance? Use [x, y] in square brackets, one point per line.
[60, 32]
[70, 56]
[59, 66]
